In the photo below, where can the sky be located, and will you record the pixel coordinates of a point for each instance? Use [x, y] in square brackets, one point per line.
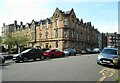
[102, 14]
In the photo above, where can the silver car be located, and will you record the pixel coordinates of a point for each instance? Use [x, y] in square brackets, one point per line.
[70, 51]
[108, 56]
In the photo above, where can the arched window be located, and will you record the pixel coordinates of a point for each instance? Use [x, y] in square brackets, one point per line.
[40, 36]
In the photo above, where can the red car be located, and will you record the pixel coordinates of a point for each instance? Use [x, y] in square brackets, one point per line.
[53, 53]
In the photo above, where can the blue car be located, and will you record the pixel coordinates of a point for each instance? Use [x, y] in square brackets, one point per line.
[108, 56]
[70, 51]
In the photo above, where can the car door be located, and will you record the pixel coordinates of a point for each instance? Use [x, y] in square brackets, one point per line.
[38, 53]
[31, 53]
[58, 53]
[52, 53]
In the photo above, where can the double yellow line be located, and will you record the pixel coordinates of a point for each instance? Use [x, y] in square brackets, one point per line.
[106, 72]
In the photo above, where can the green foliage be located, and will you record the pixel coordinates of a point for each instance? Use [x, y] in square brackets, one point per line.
[0, 39]
[118, 80]
[18, 39]
[8, 40]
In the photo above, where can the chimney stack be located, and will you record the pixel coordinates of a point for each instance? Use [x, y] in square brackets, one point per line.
[15, 23]
[21, 23]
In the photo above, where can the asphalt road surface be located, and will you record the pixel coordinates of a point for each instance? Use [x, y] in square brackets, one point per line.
[72, 68]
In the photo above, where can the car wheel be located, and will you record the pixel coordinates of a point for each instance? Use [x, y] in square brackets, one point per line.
[75, 54]
[69, 54]
[34, 59]
[98, 63]
[17, 61]
[42, 57]
[63, 54]
[3, 60]
[25, 59]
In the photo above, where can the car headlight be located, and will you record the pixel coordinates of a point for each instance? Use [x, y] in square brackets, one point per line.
[115, 60]
[100, 56]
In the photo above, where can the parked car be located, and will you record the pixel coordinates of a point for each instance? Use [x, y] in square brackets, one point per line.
[108, 56]
[29, 54]
[86, 51]
[70, 51]
[96, 50]
[2, 59]
[53, 53]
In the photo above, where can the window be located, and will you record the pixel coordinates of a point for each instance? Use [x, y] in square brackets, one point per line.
[65, 44]
[57, 23]
[77, 35]
[27, 30]
[88, 37]
[40, 36]
[72, 34]
[65, 22]
[33, 36]
[47, 24]
[41, 26]
[72, 44]
[65, 33]
[56, 33]
[46, 35]
[77, 25]
[33, 27]
[57, 44]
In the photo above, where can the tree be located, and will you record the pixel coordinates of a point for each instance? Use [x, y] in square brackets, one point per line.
[8, 41]
[20, 40]
[0, 40]
[15, 39]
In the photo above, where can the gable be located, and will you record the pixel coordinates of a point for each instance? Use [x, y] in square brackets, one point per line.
[57, 13]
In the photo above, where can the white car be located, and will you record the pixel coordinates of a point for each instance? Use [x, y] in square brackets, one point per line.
[96, 50]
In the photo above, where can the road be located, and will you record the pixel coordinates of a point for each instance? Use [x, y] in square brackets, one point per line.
[72, 68]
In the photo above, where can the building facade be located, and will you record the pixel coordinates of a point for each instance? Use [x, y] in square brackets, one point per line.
[113, 39]
[62, 30]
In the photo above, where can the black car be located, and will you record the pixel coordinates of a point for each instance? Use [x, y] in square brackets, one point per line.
[2, 59]
[29, 54]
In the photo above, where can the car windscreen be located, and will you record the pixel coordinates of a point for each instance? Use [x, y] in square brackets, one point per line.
[66, 49]
[47, 50]
[25, 51]
[109, 51]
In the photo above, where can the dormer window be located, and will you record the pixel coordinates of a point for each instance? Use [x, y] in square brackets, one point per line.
[65, 22]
